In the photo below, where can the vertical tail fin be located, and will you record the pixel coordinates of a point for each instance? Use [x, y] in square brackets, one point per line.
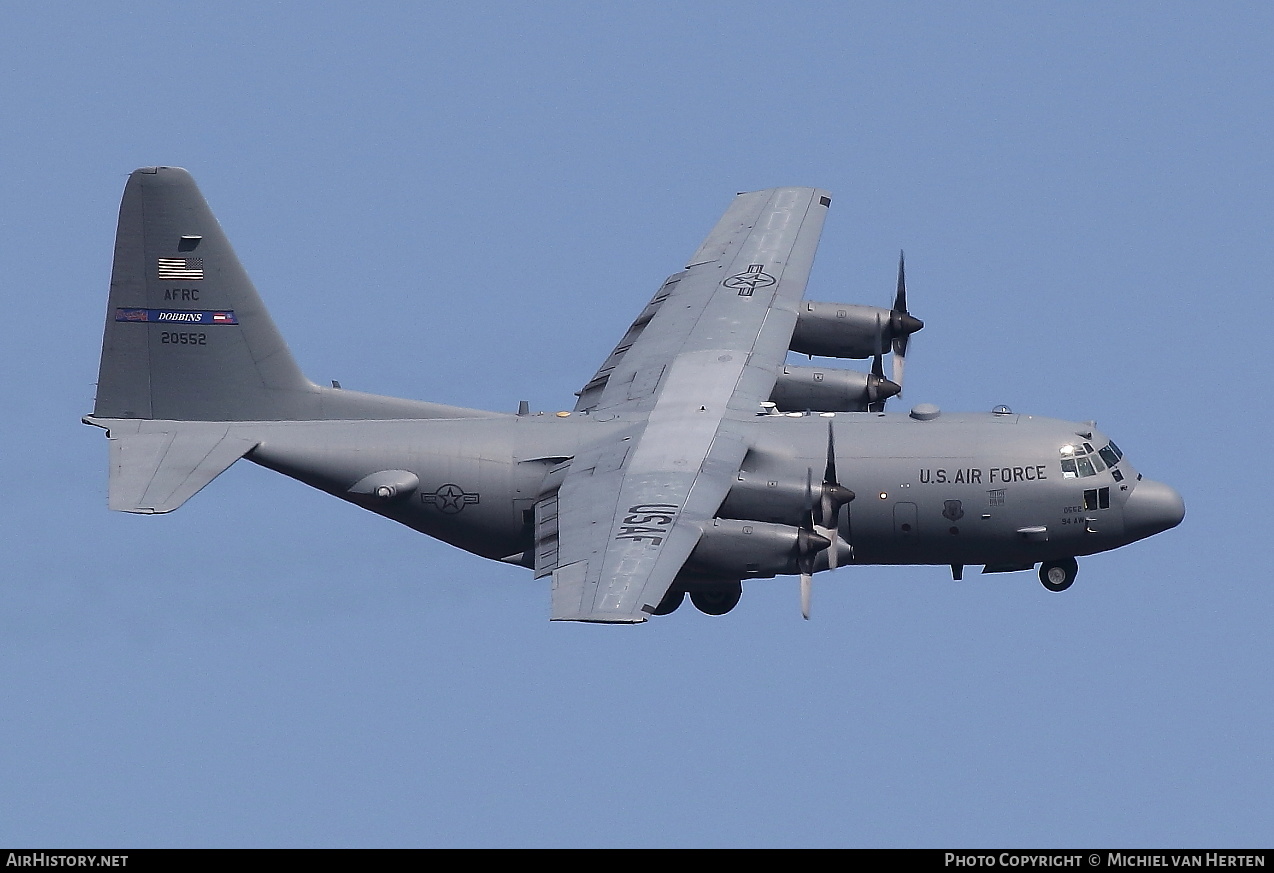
[187, 337]
[189, 350]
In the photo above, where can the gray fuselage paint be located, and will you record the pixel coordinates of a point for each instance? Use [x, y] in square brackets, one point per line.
[995, 476]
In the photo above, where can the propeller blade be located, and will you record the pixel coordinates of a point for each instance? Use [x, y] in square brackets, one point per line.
[877, 362]
[834, 496]
[829, 472]
[900, 298]
[875, 396]
[828, 508]
[833, 538]
[849, 531]
[809, 543]
[901, 324]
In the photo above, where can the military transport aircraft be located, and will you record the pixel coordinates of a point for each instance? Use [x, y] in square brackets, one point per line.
[695, 458]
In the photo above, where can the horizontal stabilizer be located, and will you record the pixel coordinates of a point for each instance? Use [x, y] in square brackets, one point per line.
[159, 471]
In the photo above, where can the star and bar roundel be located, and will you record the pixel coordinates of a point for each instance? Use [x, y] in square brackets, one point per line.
[450, 499]
[749, 280]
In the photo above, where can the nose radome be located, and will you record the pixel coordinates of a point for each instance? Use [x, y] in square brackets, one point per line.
[1152, 507]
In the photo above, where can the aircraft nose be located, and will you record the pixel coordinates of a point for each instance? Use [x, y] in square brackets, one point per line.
[1152, 507]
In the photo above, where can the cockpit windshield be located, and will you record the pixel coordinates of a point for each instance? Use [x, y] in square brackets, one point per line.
[1080, 460]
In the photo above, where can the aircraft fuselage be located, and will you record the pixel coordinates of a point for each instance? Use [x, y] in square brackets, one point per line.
[996, 496]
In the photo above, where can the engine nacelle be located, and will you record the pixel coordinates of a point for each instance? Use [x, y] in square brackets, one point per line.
[848, 330]
[774, 498]
[823, 389]
[751, 549]
[767, 497]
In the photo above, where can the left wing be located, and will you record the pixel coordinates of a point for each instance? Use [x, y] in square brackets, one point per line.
[629, 511]
[739, 292]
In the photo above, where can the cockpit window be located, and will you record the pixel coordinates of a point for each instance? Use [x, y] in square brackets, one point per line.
[1082, 460]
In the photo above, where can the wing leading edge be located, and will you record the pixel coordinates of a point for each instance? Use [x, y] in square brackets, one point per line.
[707, 349]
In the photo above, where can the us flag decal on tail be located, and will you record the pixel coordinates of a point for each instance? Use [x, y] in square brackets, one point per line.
[181, 268]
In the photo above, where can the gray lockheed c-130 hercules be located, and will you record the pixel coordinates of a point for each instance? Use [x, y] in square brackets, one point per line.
[695, 458]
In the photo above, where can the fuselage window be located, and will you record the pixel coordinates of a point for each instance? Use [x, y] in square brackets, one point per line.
[1097, 498]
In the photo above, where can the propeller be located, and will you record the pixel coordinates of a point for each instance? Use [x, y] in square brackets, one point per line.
[834, 496]
[808, 544]
[880, 389]
[901, 324]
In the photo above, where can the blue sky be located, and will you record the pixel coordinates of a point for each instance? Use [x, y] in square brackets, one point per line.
[469, 206]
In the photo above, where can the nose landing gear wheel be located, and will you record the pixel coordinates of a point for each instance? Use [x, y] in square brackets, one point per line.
[1058, 575]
